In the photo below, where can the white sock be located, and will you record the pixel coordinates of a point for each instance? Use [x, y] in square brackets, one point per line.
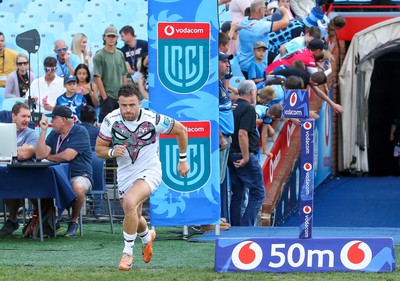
[129, 240]
[145, 236]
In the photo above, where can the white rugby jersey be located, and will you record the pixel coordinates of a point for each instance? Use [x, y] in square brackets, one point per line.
[140, 137]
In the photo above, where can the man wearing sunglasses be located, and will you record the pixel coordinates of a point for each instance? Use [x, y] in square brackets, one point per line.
[66, 62]
[46, 89]
[7, 61]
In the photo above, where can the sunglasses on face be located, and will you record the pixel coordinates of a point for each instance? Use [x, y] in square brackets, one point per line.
[111, 36]
[61, 50]
[50, 69]
[22, 63]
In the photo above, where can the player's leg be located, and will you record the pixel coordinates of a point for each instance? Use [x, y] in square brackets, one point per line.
[131, 205]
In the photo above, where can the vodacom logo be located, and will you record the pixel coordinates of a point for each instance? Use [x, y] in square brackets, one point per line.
[356, 255]
[247, 255]
[307, 167]
[169, 30]
[293, 99]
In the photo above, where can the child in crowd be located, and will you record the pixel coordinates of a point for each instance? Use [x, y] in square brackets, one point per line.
[70, 98]
[266, 114]
[84, 87]
[257, 67]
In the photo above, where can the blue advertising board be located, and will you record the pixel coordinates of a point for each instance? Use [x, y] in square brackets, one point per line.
[295, 104]
[304, 255]
[183, 84]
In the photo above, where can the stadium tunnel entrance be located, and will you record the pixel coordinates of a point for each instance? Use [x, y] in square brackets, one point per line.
[384, 105]
[370, 97]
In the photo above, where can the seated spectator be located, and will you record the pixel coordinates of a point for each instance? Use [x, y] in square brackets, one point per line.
[7, 61]
[17, 83]
[71, 98]
[84, 87]
[26, 141]
[266, 114]
[257, 67]
[88, 119]
[68, 143]
[46, 89]
[66, 62]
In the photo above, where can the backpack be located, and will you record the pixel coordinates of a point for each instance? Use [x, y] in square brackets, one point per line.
[32, 228]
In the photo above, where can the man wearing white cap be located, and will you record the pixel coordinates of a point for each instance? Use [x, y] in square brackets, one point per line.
[109, 71]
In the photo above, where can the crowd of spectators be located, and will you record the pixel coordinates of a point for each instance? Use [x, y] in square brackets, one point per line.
[276, 45]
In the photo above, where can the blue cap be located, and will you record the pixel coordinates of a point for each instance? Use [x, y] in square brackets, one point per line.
[70, 78]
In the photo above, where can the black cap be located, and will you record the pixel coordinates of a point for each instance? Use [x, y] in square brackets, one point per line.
[62, 111]
[317, 44]
[223, 56]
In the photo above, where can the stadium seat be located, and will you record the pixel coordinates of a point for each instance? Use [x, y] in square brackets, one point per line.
[56, 28]
[64, 17]
[7, 104]
[99, 6]
[13, 7]
[69, 6]
[7, 17]
[140, 28]
[123, 13]
[95, 46]
[91, 16]
[2, 95]
[67, 37]
[30, 17]
[41, 6]
[235, 81]
[99, 188]
[235, 67]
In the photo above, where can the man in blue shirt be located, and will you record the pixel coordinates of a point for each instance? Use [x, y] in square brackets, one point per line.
[26, 146]
[66, 62]
[253, 29]
[68, 143]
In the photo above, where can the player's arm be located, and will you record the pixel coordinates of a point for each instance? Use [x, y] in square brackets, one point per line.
[182, 136]
[102, 148]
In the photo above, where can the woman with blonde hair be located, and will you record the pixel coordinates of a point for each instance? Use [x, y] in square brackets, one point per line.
[78, 47]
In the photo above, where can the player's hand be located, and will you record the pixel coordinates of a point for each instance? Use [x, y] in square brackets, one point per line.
[119, 150]
[183, 168]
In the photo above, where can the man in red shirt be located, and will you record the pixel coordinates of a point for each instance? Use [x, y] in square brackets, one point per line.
[309, 55]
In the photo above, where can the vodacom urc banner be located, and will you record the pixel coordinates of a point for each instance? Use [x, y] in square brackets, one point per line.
[183, 84]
